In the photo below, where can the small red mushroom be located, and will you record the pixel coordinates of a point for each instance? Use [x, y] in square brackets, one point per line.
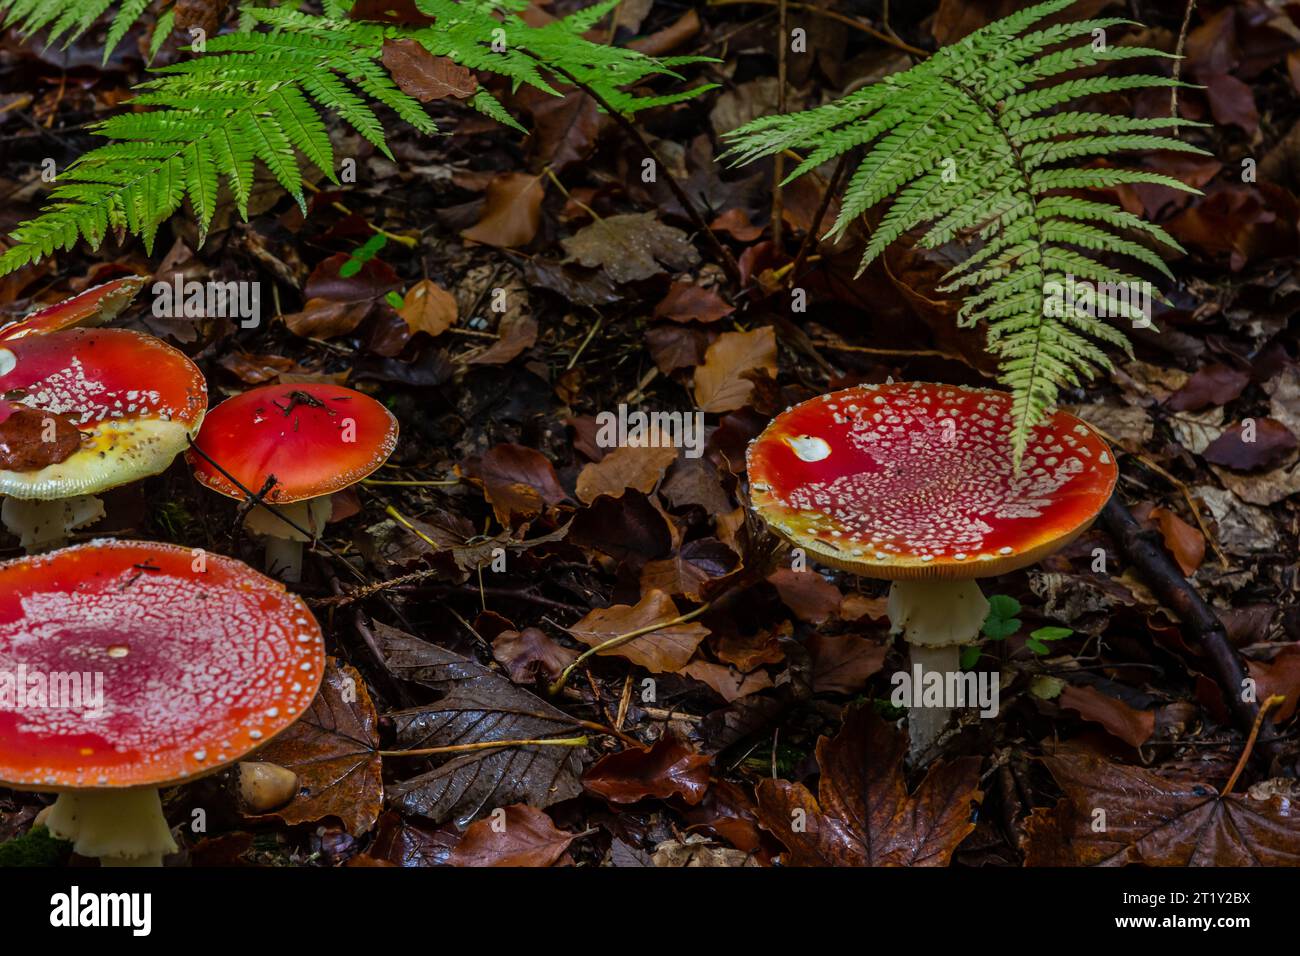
[135, 400]
[311, 440]
[126, 666]
[915, 483]
[95, 306]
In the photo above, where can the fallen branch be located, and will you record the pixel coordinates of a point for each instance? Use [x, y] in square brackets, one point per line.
[1145, 552]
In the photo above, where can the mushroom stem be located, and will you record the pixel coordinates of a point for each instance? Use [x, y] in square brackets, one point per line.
[936, 618]
[45, 525]
[283, 542]
[119, 827]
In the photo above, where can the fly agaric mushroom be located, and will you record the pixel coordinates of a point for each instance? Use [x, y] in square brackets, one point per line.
[95, 306]
[914, 483]
[99, 408]
[311, 440]
[155, 666]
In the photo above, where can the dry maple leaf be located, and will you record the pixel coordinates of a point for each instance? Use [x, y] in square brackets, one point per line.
[662, 651]
[863, 814]
[1114, 814]
[334, 750]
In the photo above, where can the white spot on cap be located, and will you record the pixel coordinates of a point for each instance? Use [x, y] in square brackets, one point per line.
[8, 361]
[809, 447]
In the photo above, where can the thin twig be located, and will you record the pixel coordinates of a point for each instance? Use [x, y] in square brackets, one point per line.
[1178, 61]
[808, 240]
[778, 165]
[1275, 701]
[833, 15]
[488, 745]
[727, 260]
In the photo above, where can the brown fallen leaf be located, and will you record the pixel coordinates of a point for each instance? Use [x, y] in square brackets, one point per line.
[863, 814]
[512, 211]
[1155, 819]
[334, 750]
[531, 654]
[1252, 445]
[668, 768]
[631, 247]
[1280, 676]
[632, 466]
[691, 570]
[842, 664]
[402, 843]
[664, 650]
[419, 73]
[721, 384]
[1129, 724]
[518, 333]
[1184, 542]
[326, 318]
[517, 481]
[519, 836]
[1211, 385]
[475, 705]
[691, 303]
[809, 595]
[729, 683]
[429, 308]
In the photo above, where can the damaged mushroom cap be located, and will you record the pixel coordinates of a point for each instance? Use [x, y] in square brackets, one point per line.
[911, 480]
[199, 667]
[95, 306]
[315, 440]
[135, 400]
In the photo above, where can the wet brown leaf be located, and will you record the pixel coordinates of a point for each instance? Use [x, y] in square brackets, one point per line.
[632, 466]
[1130, 725]
[531, 655]
[863, 814]
[729, 683]
[518, 333]
[475, 705]
[691, 303]
[809, 595]
[524, 837]
[1184, 542]
[669, 768]
[1237, 448]
[517, 481]
[333, 748]
[1158, 819]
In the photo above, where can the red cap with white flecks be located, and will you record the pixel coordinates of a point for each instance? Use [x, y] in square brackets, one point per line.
[914, 480]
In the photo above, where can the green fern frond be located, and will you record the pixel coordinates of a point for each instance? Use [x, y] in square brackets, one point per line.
[972, 142]
[256, 97]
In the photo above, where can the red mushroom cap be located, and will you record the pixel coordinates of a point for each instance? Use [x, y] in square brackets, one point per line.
[135, 399]
[95, 306]
[198, 667]
[914, 480]
[315, 440]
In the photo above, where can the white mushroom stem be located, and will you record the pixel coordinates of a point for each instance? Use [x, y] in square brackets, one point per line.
[936, 618]
[45, 525]
[284, 542]
[118, 827]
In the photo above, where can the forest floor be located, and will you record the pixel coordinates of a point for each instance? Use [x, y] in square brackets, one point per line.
[521, 286]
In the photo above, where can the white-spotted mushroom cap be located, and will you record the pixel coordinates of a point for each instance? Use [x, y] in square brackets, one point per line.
[95, 306]
[914, 480]
[136, 401]
[198, 667]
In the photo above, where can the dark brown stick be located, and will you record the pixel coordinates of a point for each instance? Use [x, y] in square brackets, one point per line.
[1144, 551]
[811, 238]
